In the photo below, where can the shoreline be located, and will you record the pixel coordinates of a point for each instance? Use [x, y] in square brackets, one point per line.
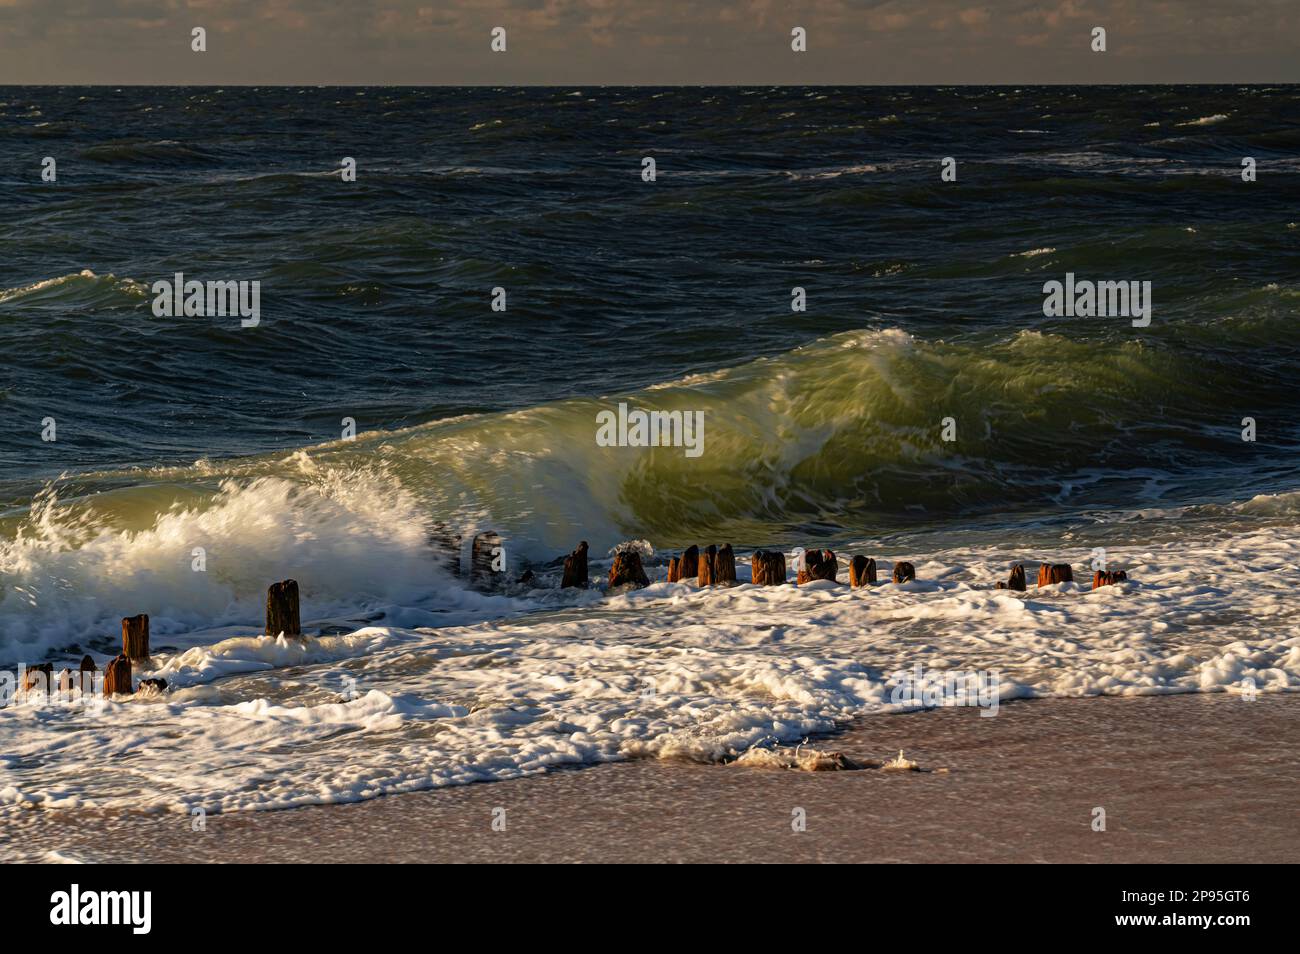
[1189, 777]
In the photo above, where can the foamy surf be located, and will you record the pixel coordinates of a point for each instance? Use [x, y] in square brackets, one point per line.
[669, 671]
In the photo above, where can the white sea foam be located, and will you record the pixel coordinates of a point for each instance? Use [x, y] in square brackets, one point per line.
[355, 540]
[666, 672]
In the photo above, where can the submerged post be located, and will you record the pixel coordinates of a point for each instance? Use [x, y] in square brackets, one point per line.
[724, 566]
[818, 565]
[862, 571]
[1107, 577]
[482, 556]
[1051, 573]
[1016, 581]
[282, 609]
[690, 565]
[117, 677]
[707, 565]
[135, 637]
[575, 567]
[767, 568]
[627, 571]
[904, 571]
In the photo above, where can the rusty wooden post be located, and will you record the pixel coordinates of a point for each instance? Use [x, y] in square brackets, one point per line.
[117, 677]
[575, 567]
[904, 571]
[817, 565]
[707, 565]
[674, 569]
[767, 568]
[40, 676]
[724, 566]
[1107, 577]
[135, 637]
[862, 571]
[627, 570]
[1052, 573]
[282, 609]
[689, 568]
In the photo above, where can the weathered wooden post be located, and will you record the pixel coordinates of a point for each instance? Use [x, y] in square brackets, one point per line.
[1052, 573]
[282, 609]
[817, 565]
[862, 571]
[724, 566]
[674, 569]
[1016, 580]
[627, 570]
[575, 568]
[40, 676]
[86, 675]
[767, 568]
[447, 544]
[482, 557]
[1107, 577]
[117, 677]
[690, 566]
[707, 565]
[904, 571]
[135, 637]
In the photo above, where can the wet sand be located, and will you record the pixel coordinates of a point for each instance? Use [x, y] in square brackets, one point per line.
[1189, 778]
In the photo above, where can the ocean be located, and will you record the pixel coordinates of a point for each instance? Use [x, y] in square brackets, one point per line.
[195, 460]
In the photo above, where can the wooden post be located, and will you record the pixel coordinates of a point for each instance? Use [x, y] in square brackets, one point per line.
[40, 676]
[862, 571]
[690, 565]
[674, 569]
[575, 568]
[767, 568]
[282, 609]
[818, 565]
[904, 571]
[1107, 577]
[135, 637]
[447, 544]
[724, 566]
[627, 570]
[117, 677]
[86, 676]
[1016, 580]
[481, 574]
[1052, 573]
[707, 565]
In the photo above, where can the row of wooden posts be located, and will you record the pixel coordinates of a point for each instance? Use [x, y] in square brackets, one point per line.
[713, 566]
[716, 566]
[282, 618]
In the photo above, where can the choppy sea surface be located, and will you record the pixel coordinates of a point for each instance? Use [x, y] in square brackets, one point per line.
[821, 428]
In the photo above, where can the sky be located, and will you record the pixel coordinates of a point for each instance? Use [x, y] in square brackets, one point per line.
[647, 42]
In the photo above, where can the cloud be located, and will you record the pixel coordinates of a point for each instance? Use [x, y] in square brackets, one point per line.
[638, 41]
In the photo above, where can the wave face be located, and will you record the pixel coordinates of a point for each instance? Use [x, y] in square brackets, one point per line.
[924, 303]
[375, 294]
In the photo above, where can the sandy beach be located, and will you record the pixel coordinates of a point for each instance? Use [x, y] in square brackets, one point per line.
[1183, 778]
